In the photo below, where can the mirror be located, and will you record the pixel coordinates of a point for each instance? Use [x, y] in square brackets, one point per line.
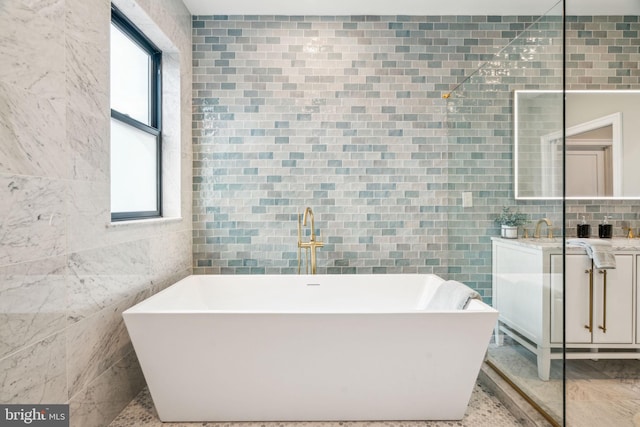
[603, 144]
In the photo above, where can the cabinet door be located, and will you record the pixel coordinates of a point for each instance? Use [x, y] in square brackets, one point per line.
[637, 299]
[576, 296]
[517, 287]
[617, 315]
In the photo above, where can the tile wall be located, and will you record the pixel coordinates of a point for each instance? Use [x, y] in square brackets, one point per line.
[603, 52]
[66, 275]
[344, 114]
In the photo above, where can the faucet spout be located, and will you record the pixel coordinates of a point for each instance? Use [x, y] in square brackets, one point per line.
[546, 221]
[309, 212]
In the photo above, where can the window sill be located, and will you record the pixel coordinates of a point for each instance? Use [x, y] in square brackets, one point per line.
[149, 221]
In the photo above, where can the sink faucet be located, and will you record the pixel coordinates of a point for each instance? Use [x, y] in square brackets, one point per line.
[549, 229]
[309, 246]
[629, 231]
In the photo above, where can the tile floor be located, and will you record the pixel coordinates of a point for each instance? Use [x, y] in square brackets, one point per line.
[484, 411]
[599, 392]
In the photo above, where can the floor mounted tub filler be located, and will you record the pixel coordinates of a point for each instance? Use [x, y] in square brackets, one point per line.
[308, 348]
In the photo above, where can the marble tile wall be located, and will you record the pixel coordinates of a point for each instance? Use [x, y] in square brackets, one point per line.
[66, 274]
[345, 114]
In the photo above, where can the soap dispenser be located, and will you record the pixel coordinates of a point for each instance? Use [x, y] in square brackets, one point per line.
[584, 229]
[605, 230]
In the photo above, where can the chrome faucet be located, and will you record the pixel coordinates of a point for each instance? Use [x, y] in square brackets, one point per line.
[549, 229]
[309, 246]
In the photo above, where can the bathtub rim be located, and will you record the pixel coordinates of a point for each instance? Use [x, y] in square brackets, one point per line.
[146, 306]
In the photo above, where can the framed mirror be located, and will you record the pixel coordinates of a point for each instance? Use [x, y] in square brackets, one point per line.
[602, 149]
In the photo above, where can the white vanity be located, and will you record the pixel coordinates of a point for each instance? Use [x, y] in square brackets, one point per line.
[601, 308]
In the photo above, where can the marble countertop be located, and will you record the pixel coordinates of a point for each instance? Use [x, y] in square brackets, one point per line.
[617, 243]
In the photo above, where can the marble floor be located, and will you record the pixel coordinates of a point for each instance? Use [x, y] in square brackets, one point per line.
[484, 411]
[599, 392]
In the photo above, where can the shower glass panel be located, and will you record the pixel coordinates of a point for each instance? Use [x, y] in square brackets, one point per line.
[602, 367]
[515, 275]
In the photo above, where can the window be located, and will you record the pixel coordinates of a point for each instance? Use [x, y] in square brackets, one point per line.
[135, 122]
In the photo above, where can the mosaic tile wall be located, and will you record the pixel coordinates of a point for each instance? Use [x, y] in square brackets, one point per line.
[344, 114]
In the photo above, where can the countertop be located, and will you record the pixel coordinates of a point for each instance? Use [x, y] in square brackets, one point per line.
[617, 243]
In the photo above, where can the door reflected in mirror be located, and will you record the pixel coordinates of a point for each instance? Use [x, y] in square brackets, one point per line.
[603, 128]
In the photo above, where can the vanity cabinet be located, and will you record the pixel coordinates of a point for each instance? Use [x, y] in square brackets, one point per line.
[601, 305]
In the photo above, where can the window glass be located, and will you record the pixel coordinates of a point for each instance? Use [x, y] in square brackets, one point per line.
[133, 169]
[130, 77]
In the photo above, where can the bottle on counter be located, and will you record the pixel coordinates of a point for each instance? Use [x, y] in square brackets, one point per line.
[584, 230]
[605, 230]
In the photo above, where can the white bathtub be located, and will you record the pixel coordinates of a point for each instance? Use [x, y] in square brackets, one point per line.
[308, 348]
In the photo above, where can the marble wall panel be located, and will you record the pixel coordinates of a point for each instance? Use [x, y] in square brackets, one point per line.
[165, 282]
[32, 302]
[107, 395]
[87, 88]
[88, 137]
[66, 272]
[32, 46]
[96, 343]
[89, 218]
[179, 16]
[103, 276]
[169, 254]
[89, 212]
[186, 177]
[86, 60]
[35, 374]
[32, 133]
[32, 218]
[171, 148]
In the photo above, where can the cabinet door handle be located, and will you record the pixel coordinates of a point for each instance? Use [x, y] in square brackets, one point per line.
[604, 303]
[590, 325]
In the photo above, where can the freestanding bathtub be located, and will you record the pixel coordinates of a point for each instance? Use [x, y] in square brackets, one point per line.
[308, 348]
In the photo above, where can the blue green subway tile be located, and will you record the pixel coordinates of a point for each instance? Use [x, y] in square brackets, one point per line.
[423, 148]
[204, 263]
[341, 263]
